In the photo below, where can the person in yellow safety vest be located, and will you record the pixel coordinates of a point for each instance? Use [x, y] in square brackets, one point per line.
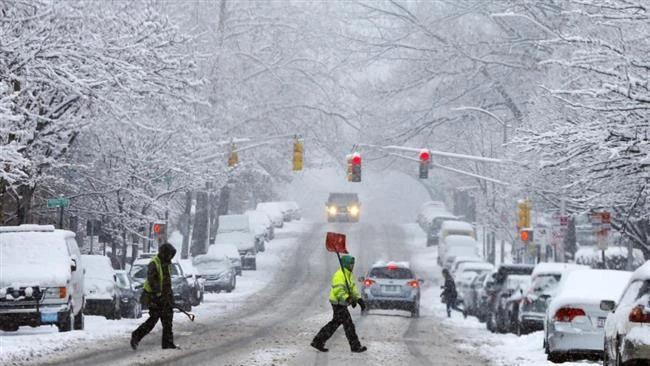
[158, 296]
[342, 293]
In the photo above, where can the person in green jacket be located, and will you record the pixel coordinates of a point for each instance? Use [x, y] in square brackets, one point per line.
[342, 294]
[158, 296]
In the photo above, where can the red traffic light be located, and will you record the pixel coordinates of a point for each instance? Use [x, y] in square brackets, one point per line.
[425, 155]
[157, 228]
[356, 159]
[526, 235]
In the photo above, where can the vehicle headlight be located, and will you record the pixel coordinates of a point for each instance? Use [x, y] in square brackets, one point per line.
[331, 210]
[55, 293]
[354, 210]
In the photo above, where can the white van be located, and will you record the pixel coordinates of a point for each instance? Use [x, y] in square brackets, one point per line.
[42, 278]
[457, 246]
[455, 227]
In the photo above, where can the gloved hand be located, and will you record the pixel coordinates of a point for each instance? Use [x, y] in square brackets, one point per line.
[350, 300]
[362, 304]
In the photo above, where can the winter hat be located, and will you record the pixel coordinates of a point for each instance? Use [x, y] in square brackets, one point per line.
[347, 261]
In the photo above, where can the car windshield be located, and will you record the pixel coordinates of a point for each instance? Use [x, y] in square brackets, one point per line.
[397, 273]
[343, 198]
[545, 284]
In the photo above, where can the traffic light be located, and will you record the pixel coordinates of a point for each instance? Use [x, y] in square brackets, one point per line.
[298, 149]
[354, 167]
[526, 235]
[523, 213]
[425, 157]
[159, 230]
[233, 159]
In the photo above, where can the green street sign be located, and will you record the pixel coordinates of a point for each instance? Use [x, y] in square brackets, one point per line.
[58, 202]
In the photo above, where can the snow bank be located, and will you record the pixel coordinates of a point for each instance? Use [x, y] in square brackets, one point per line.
[616, 257]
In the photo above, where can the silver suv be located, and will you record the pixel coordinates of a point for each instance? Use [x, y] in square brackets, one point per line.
[391, 285]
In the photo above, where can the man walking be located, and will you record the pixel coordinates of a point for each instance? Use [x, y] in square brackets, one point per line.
[342, 293]
[158, 295]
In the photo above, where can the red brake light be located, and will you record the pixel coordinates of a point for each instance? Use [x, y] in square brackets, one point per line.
[414, 284]
[368, 282]
[638, 315]
[568, 314]
[391, 267]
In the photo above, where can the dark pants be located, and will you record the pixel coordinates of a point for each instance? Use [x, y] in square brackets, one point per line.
[341, 315]
[165, 313]
[452, 303]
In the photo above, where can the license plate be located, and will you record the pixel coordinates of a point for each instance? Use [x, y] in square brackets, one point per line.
[601, 322]
[49, 317]
[390, 288]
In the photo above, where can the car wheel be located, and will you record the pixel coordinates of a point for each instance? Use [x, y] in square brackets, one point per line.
[66, 323]
[79, 321]
[9, 327]
[557, 357]
[618, 361]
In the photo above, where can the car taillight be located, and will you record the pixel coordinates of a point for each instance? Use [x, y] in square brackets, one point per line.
[567, 314]
[638, 315]
[368, 282]
[414, 284]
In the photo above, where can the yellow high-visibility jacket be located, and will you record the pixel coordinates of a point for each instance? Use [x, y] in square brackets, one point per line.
[342, 281]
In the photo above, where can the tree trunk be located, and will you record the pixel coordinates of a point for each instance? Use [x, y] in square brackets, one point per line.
[24, 204]
[214, 217]
[200, 230]
[187, 225]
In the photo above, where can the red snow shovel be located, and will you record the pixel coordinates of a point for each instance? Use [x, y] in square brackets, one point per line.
[335, 242]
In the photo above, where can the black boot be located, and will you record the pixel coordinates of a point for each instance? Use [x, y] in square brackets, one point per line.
[360, 349]
[134, 343]
[318, 346]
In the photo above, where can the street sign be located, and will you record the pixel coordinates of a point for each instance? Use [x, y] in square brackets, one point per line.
[58, 202]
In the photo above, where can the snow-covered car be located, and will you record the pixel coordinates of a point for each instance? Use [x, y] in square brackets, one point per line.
[391, 285]
[457, 246]
[180, 286]
[245, 244]
[462, 261]
[494, 288]
[435, 221]
[574, 321]
[463, 284]
[194, 280]
[627, 328]
[274, 212]
[475, 300]
[130, 306]
[532, 308]
[478, 267]
[291, 210]
[512, 287]
[427, 211]
[512, 304]
[229, 251]
[261, 227]
[456, 227]
[41, 278]
[218, 272]
[101, 289]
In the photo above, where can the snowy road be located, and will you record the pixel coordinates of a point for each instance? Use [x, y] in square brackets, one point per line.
[275, 324]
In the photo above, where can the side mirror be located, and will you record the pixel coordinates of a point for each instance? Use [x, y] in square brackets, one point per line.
[73, 264]
[607, 305]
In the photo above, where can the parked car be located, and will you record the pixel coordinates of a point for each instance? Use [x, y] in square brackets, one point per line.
[291, 210]
[258, 222]
[180, 287]
[574, 321]
[512, 304]
[259, 218]
[475, 300]
[463, 285]
[101, 290]
[428, 210]
[273, 210]
[229, 251]
[462, 260]
[235, 229]
[627, 339]
[435, 221]
[391, 285]
[194, 280]
[477, 267]
[457, 246]
[511, 287]
[493, 291]
[42, 279]
[218, 272]
[532, 309]
[456, 227]
[130, 292]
